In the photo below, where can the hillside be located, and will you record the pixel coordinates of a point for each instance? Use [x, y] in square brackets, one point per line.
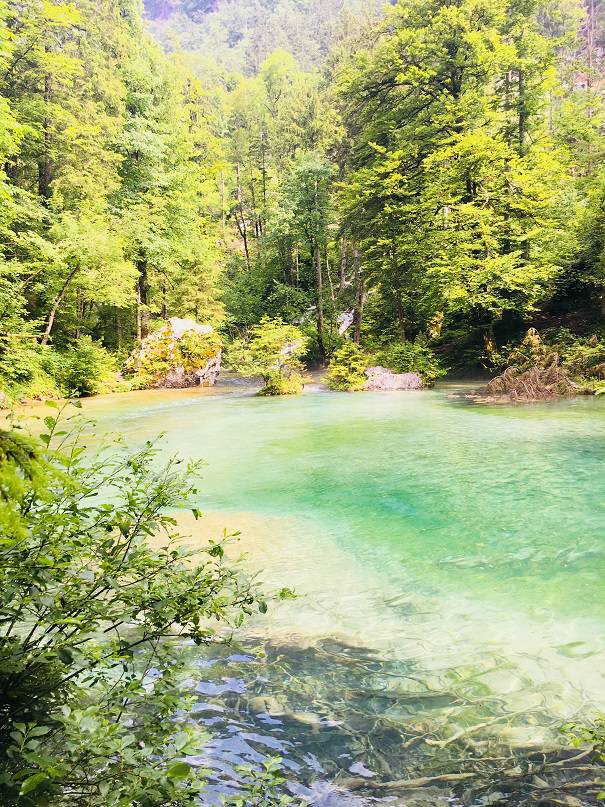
[239, 35]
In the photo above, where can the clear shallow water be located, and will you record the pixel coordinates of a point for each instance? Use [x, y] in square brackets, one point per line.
[451, 560]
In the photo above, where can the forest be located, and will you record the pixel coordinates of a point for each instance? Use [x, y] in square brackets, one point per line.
[433, 171]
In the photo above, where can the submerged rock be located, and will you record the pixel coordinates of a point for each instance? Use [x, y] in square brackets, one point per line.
[183, 353]
[382, 379]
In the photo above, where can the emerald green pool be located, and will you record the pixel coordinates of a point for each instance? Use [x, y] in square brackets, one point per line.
[458, 548]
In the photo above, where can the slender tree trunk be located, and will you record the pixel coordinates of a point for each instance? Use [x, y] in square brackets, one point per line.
[400, 315]
[359, 295]
[139, 317]
[223, 214]
[241, 221]
[258, 230]
[45, 172]
[142, 303]
[343, 264]
[57, 302]
[289, 264]
[320, 304]
[489, 342]
[522, 113]
[164, 303]
[329, 274]
[263, 138]
[118, 328]
[398, 295]
[79, 314]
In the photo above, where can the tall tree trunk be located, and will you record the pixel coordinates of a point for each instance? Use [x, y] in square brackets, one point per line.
[45, 172]
[359, 295]
[343, 264]
[400, 315]
[223, 213]
[320, 304]
[241, 221]
[329, 274]
[398, 295]
[142, 303]
[57, 302]
[263, 139]
[79, 314]
[522, 114]
[289, 263]
[164, 303]
[118, 328]
[489, 342]
[139, 317]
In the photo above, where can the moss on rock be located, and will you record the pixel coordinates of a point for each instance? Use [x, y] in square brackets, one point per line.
[181, 354]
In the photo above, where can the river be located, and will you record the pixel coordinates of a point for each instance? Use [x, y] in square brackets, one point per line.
[450, 562]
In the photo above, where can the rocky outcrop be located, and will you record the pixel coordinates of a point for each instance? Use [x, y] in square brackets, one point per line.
[179, 378]
[380, 379]
[181, 354]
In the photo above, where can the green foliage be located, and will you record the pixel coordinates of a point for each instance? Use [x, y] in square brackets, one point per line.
[273, 351]
[413, 357]
[278, 384]
[85, 369]
[108, 189]
[460, 198]
[583, 358]
[592, 735]
[98, 596]
[31, 371]
[347, 368]
[263, 787]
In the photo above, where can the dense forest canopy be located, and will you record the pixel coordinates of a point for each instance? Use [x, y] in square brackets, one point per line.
[428, 173]
[240, 36]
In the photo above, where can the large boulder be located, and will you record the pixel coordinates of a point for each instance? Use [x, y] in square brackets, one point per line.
[380, 379]
[181, 354]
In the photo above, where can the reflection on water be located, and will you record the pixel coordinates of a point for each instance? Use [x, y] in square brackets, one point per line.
[451, 563]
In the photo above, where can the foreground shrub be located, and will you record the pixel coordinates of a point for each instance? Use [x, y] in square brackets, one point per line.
[24, 371]
[347, 368]
[293, 384]
[272, 351]
[413, 357]
[94, 615]
[87, 368]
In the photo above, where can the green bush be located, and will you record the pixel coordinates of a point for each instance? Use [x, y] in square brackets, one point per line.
[94, 604]
[272, 351]
[294, 384]
[412, 357]
[85, 369]
[347, 368]
[24, 372]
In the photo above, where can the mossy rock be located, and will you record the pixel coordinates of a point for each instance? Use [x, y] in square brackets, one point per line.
[181, 354]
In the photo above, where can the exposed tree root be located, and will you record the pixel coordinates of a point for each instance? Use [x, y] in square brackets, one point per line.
[536, 384]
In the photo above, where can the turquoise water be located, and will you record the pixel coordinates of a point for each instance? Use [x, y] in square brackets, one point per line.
[462, 544]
